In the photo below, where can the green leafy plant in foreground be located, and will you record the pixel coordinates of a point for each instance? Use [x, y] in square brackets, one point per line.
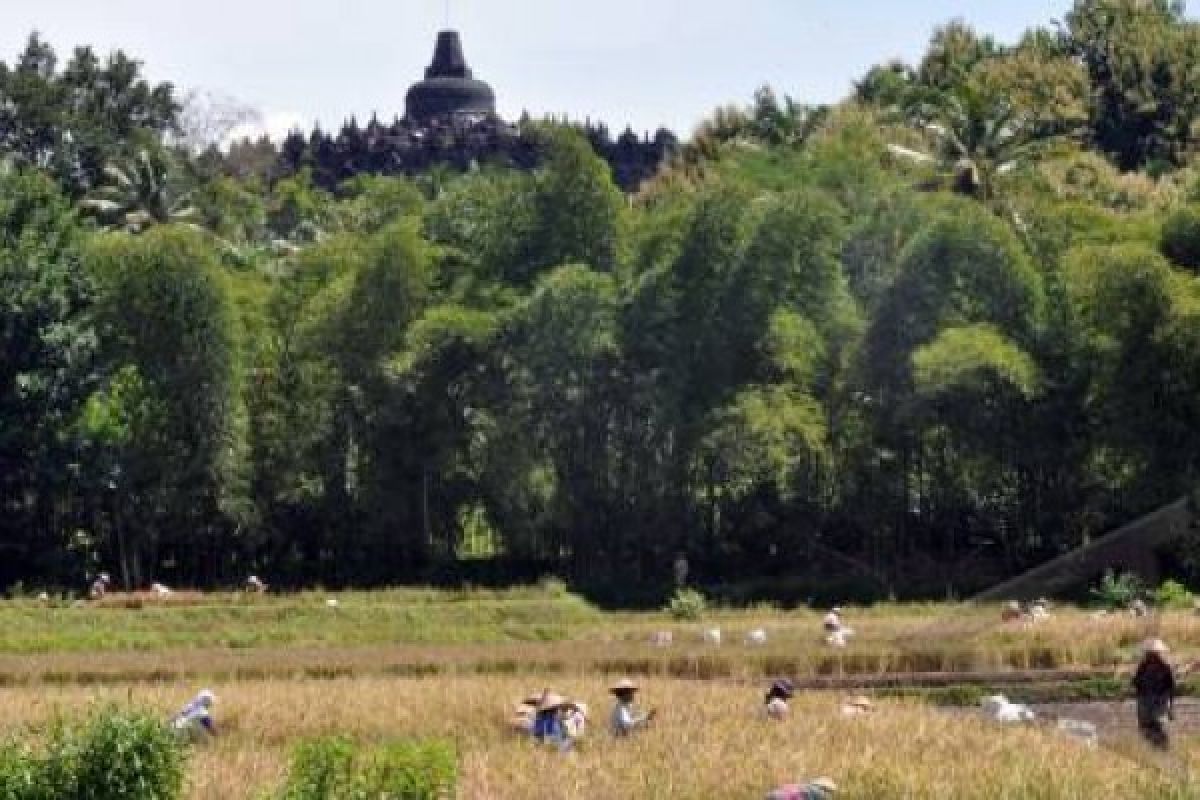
[114, 755]
[337, 769]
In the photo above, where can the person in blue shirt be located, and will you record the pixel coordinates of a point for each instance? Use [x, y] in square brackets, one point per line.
[548, 727]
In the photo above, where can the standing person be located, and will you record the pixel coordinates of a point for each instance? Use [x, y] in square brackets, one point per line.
[100, 586]
[195, 721]
[681, 570]
[1154, 684]
[625, 717]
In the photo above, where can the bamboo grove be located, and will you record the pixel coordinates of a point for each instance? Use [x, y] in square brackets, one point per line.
[915, 341]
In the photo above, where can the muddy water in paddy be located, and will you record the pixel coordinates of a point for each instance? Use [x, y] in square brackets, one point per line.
[1118, 717]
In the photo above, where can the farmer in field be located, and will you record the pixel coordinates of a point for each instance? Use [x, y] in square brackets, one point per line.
[820, 789]
[681, 570]
[626, 719]
[833, 620]
[575, 716]
[548, 725]
[1154, 684]
[836, 632]
[194, 722]
[776, 701]
[99, 586]
[525, 713]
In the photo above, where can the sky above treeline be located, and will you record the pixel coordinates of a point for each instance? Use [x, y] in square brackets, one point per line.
[643, 63]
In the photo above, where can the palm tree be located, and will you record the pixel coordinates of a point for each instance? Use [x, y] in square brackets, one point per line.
[975, 136]
[139, 196]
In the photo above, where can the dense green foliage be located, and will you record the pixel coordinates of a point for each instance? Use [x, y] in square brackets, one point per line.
[338, 769]
[923, 339]
[113, 755]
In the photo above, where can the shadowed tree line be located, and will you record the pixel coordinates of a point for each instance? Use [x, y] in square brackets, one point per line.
[914, 342]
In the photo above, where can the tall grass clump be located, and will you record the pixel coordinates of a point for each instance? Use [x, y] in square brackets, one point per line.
[337, 769]
[321, 770]
[19, 777]
[411, 770]
[687, 605]
[114, 755]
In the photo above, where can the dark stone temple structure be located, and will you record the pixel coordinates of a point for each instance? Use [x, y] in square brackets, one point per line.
[449, 88]
[450, 119]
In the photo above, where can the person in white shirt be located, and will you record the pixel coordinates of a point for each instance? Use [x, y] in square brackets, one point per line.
[1039, 610]
[776, 700]
[194, 722]
[575, 720]
[836, 633]
[626, 719]
[100, 586]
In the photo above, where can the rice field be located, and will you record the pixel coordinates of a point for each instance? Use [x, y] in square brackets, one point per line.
[709, 742]
[408, 633]
[381, 666]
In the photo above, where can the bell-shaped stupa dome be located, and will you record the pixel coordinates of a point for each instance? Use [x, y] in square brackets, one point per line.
[449, 88]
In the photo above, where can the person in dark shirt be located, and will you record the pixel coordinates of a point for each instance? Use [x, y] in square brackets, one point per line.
[1154, 685]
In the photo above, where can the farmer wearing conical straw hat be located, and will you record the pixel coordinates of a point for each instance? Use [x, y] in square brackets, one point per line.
[548, 725]
[1154, 684]
[625, 717]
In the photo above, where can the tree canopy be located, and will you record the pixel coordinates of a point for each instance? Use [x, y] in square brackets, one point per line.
[946, 329]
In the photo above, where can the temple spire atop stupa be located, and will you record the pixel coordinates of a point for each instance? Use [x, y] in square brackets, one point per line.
[448, 58]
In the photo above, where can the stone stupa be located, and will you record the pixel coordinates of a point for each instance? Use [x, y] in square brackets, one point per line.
[450, 90]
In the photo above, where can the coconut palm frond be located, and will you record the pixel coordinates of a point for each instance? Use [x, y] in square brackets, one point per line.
[910, 154]
[139, 195]
[118, 176]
